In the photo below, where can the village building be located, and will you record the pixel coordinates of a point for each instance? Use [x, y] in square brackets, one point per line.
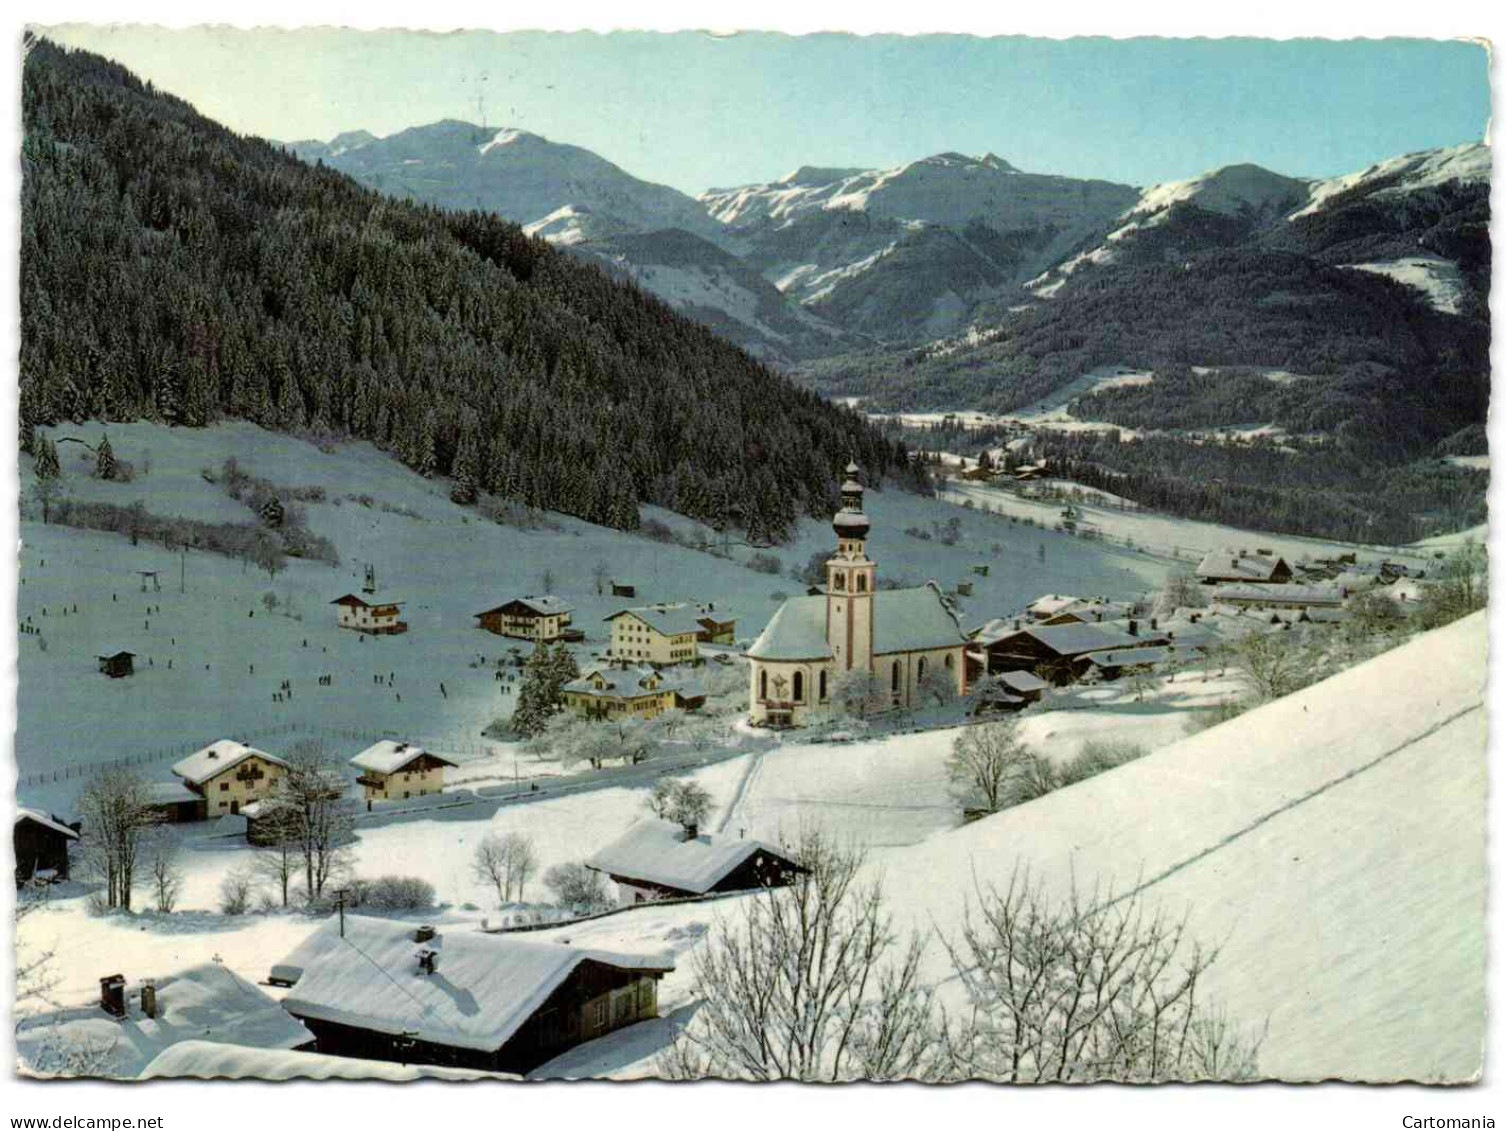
[717, 626]
[41, 845]
[1281, 596]
[1112, 663]
[118, 664]
[543, 620]
[656, 634]
[381, 618]
[1010, 691]
[658, 859]
[1054, 652]
[1263, 567]
[173, 802]
[1095, 610]
[614, 691]
[468, 998]
[901, 637]
[229, 775]
[398, 770]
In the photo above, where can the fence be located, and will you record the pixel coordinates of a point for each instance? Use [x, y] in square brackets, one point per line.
[74, 770]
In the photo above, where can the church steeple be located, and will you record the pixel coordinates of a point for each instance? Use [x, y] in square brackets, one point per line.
[850, 581]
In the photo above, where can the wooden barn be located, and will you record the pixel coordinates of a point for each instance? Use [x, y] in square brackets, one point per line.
[664, 860]
[118, 664]
[379, 618]
[41, 843]
[470, 999]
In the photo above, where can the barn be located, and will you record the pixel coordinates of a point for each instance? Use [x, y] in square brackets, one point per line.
[658, 859]
[41, 843]
[463, 998]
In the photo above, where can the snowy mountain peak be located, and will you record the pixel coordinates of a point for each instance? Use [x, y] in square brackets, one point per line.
[816, 175]
[507, 137]
[1231, 191]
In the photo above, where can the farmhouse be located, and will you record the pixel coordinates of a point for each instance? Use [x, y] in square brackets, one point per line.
[717, 626]
[1240, 566]
[540, 619]
[614, 691]
[172, 802]
[1094, 610]
[1013, 691]
[41, 843]
[902, 637]
[464, 998]
[229, 775]
[656, 634]
[663, 860]
[1054, 652]
[379, 619]
[1114, 662]
[398, 770]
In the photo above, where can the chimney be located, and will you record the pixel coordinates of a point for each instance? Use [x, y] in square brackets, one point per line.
[1017, 624]
[112, 995]
[423, 934]
[149, 998]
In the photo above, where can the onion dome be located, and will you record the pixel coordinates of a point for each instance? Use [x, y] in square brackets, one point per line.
[850, 522]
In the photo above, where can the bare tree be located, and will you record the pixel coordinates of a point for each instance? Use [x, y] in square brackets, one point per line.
[1096, 988]
[44, 1045]
[670, 723]
[1142, 680]
[117, 814]
[1180, 590]
[1271, 664]
[522, 861]
[279, 860]
[811, 982]
[991, 768]
[321, 820]
[577, 887]
[940, 684]
[858, 693]
[489, 865]
[687, 803]
[235, 892]
[506, 862]
[164, 864]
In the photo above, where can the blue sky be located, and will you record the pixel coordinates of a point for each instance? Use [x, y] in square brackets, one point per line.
[696, 111]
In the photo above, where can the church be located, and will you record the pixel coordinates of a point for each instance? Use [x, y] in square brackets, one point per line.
[908, 639]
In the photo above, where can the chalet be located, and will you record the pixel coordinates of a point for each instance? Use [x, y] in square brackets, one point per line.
[118, 664]
[1027, 471]
[717, 626]
[540, 619]
[1054, 652]
[663, 860]
[1242, 567]
[656, 634]
[229, 774]
[41, 843]
[1111, 663]
[469, 999]
[904, 639]
[614, 691]
[392, 770]
[1281, 596]
[378, 619]
[1096, 610]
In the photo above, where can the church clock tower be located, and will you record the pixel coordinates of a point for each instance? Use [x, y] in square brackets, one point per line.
[850, 579]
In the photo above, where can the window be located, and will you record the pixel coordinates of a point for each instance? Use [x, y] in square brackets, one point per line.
[862, 583]
[839, 581]
[821, 684]
[799, 687]
[894, 676]
[920, 669]
[599, 1013]
[224, 787]
[763, 685]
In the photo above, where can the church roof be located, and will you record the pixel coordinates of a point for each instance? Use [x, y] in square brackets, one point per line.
[904, 620]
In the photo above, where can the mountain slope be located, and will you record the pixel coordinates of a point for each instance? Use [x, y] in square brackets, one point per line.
[175, 271]
[1332, 843]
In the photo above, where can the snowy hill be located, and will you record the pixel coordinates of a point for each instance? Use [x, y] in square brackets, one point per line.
[1332, 842]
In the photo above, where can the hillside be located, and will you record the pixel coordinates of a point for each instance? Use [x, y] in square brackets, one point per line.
[173, 271]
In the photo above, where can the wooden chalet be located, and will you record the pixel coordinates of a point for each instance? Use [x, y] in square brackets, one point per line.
[395, 770]
[717, 626]
[470, 999]
[664, 860]
[540, 619]
[41, 844]
[1057, 653]
[118, 665]
[380, 618]
[1262, 567]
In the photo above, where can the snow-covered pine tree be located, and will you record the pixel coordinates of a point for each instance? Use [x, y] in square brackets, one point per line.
[539, 696]
[104, 460]
[46, 463]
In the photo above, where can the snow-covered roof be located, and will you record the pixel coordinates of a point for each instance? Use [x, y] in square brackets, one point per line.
[46, 820]
[214, 1003]
[1075, 639]
[217, 757]
[658, 852]
[1125, 657]
[361, 603]
[170, 792]
[1023, 681]
[1310, 594]
[484, 987]
[1238, 564]
[619, 682]
[387, 756]
[903, 620]
[670, 620]
[208, 1060]
[1051, 604]
[545, 606]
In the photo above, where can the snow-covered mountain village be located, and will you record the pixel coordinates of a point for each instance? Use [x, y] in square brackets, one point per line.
[445, 650]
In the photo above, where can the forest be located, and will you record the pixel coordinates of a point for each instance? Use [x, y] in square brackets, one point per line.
[172, 270]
